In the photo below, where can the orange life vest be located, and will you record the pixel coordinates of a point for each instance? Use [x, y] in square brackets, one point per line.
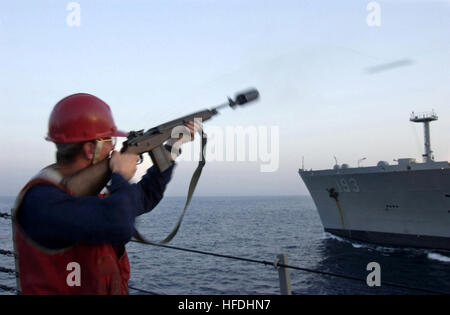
[101, 269]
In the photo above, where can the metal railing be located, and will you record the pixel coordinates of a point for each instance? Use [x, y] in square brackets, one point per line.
[280, 264]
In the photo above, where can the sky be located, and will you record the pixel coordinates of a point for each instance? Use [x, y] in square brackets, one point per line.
[153, 61]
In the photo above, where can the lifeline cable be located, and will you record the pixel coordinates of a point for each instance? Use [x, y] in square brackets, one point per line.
[10, 271]
[6, 253]
[143, 291]
[6, 288]
[5, 215]
[325, 273]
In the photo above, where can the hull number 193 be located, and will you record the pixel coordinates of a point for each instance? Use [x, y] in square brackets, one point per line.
[347, 185]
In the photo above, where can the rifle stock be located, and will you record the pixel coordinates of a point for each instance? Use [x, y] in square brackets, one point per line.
[89, 181]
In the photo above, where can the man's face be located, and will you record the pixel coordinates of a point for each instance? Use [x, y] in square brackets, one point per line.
[107, 145]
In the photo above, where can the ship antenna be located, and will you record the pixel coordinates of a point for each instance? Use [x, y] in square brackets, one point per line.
[360, 160]
[335, 159]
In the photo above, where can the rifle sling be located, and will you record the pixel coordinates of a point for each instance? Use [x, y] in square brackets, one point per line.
[195, 177]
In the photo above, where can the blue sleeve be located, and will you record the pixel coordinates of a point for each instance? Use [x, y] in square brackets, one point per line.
[54, 219]
[150, 189]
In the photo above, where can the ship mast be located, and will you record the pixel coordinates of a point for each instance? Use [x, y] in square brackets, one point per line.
[425, 118]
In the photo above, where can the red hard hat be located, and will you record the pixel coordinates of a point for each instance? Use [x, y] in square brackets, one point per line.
[81, 117]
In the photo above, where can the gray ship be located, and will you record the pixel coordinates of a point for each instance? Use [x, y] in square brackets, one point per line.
[407, 204]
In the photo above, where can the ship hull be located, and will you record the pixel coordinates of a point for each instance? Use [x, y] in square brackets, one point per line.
[394, 239]
[399, 208]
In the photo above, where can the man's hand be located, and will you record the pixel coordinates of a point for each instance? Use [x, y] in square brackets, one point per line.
[185, 135]
[193, 128]
[182, 135]
[124, 164]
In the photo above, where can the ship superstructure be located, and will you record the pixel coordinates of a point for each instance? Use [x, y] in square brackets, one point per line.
[405, 204]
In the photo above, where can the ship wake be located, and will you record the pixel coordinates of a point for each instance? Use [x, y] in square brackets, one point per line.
[443, 256]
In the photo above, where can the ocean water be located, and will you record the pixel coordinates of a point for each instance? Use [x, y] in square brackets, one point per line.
[258, 228]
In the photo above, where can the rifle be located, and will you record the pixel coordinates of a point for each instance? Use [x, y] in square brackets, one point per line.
[91, 180]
